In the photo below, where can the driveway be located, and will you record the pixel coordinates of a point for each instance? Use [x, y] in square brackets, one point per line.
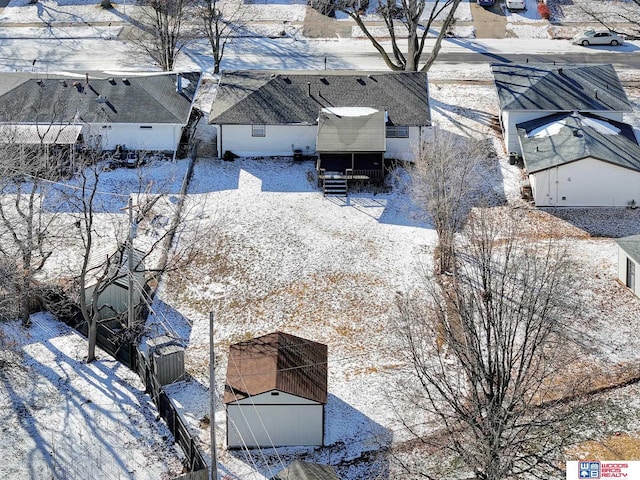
[489, 22]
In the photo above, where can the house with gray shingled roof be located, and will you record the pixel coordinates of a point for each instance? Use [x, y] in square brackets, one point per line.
[101, 110]
[580, 159]
[628, 261]
[275, 392]
[534, 90]
[349, 120]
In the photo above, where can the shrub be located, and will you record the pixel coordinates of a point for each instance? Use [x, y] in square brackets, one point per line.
[543, 10]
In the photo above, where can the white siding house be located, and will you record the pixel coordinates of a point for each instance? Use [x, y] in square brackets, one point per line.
[142, 111]
[530, 91]
[265, 113]
[629, 262]
[275, 392]
[581, 160]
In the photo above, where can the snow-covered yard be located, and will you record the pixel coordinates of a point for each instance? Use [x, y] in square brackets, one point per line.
[64, 418]
[277, 255]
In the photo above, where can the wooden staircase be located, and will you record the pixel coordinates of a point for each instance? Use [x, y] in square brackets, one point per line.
[336, 187]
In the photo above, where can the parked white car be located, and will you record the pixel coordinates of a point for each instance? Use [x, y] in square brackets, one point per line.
[516, 4]
[598, 37]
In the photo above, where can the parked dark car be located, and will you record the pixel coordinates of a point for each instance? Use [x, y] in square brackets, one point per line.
[486, 3]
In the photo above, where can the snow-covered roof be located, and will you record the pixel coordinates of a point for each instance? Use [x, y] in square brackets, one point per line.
[40, 134]
[566, 137]
[351, 129]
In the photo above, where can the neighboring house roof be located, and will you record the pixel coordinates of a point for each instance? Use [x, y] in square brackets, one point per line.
[97, 98]
[299, 470]
[278, 98]
[353, 129]
[277, 361]
[562, 138]
[567, 87]
[631, 245]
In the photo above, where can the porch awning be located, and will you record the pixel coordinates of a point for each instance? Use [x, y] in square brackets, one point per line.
[39, 134]
[351, 129]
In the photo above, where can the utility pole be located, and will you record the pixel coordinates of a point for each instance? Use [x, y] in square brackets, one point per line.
[132, 234]
[212, 403]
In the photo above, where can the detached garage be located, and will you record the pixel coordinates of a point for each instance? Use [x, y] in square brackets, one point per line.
[275, 392]
[581, 160]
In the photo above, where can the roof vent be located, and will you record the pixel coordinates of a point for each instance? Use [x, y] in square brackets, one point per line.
[125, 80]
[112, 81]
[309, 89]
[101, 99]
[324, 80]
[63, 83]
[361, 81]
[560, 70]
[40, 82]
[596, 92]
[78, 86]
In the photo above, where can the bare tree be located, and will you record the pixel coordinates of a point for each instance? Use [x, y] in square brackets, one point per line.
[219, 21]
[444, 182]
[405, 20]
[163, 35]
[156, 214]
[484, 347]
[29, 161]
[625, 20]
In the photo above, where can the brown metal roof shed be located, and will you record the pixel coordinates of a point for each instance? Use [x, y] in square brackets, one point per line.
[277, 361]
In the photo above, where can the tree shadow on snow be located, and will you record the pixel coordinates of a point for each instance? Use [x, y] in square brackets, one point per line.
[73, 431]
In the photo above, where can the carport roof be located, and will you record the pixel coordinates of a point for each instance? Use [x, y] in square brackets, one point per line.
[562, 87]
[566, 137]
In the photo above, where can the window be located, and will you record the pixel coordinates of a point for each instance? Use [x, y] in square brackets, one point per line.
[258, 130]
[397, 131]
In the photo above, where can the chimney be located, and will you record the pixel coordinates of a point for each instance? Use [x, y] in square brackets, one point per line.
[309, 89]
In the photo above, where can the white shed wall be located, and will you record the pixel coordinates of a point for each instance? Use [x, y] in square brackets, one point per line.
[161, 137]
[622, 270]
[277, 425]
[278, 140]
[586, 183]
[511, 118]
